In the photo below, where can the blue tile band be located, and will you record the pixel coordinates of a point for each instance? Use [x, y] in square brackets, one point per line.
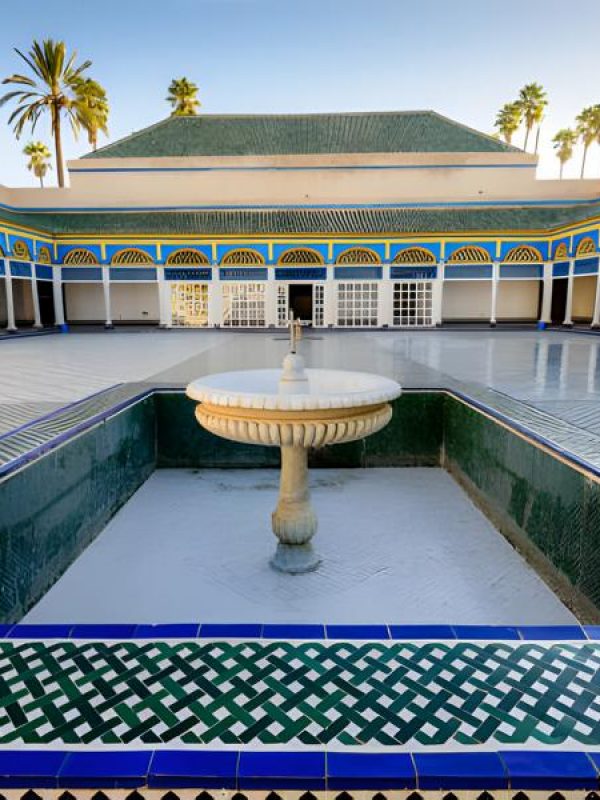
[302, 771]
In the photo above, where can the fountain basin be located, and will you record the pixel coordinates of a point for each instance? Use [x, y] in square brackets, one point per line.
[294, 409]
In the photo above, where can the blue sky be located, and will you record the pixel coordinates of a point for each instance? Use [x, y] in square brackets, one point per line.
[463, 58]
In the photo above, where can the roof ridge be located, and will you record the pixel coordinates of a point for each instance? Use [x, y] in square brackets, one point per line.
[488, 136]
[129, 136]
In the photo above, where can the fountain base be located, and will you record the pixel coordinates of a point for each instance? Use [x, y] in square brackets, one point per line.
[295, 559]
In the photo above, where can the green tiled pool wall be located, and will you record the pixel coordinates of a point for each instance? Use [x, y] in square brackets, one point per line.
[405, 442]
[55, 506]
[550, 503]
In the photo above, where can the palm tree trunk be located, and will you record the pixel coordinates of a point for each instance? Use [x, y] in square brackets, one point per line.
[58, 147]
[562, 163]
[41, 181]
[583, 161]
[527, 129]
[537, 139]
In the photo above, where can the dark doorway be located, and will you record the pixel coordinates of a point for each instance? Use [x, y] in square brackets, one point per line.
[301, 300]
[46, 298]
[559, 300]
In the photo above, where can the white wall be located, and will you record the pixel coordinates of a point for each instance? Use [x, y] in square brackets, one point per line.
[517, 300]
[467, 300]
[134, 302]
[584, 294]
[84, 302]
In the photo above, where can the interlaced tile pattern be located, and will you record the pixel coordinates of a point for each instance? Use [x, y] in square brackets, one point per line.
[313, 693]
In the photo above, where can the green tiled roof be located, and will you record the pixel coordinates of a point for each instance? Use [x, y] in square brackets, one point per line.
[304, 221]
[301, 134]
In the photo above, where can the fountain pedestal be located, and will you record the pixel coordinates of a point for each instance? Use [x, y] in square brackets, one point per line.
[296, 410]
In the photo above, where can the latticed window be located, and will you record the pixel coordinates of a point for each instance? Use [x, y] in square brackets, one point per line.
[523, 255]
[357, 304]
[242, 257]
[586, 246]
[131, 256]
[189, 304]
[80, 256]
[187, 256]
[470, 255]
[244, 305]
[413, 303]
[21, 251]
[43, 255]
[301, 255]
[358, 255]
[415, 255]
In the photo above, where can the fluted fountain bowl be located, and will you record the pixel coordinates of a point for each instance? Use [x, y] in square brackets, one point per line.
[294, 409]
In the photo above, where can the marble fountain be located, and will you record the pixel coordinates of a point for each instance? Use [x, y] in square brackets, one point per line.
[295, 409]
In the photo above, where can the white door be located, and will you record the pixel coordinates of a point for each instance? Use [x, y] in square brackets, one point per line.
[413, 306]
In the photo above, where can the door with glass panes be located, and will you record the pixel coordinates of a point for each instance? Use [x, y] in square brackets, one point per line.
[413, 304]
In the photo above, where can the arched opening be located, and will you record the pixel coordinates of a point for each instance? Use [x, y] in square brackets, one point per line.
[561, 252]
[358, 256]
[585, 247]
[300, 256]
[242, 257]
[470, 254]
[130, 256]
[21, 251]
[187, 257]
[523, 254]
[414, 255]
[80, 257]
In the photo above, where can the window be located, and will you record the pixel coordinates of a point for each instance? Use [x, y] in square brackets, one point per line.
[412, 303]
[357, 304]
[282, 305]
[318, 304]
[244, 305]
[189, 304]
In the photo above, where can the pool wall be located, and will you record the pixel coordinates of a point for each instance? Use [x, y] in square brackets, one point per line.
[53, 507]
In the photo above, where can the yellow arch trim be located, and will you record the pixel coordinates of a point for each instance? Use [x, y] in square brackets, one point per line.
[523, 254]
[561, 251]
[21, 250]
[470, 254]
[253, 257]
[286, 258]
[586, 246]
[80, 256]
[141, 257]
[404, 256]
[188, 255]
[364, 255]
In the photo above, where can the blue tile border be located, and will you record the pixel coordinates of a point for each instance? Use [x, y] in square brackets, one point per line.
[322, 770]
[301, 631]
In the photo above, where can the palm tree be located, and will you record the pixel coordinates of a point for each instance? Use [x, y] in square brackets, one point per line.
[508, 120]
[564, 142]
[92, 109]
[182, 96]
[38, 159]
[52, 88]
[532, 101]
[588, 129]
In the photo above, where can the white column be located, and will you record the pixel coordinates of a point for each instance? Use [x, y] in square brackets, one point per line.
[59, 311]
[569, 308]
[271, 300]
[215, 300]
[495, 278]
[10, 306]
[164, 305]
[37, 318]
[437, 295]
[106, 287]
[386, 299]
[546, 313]
[329, 300]
[596, 316]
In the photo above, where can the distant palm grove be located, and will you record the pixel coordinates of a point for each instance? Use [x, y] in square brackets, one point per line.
[528, 110]
[56, 86]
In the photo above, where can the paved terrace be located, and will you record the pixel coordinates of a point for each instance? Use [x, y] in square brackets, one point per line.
[548, 382]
